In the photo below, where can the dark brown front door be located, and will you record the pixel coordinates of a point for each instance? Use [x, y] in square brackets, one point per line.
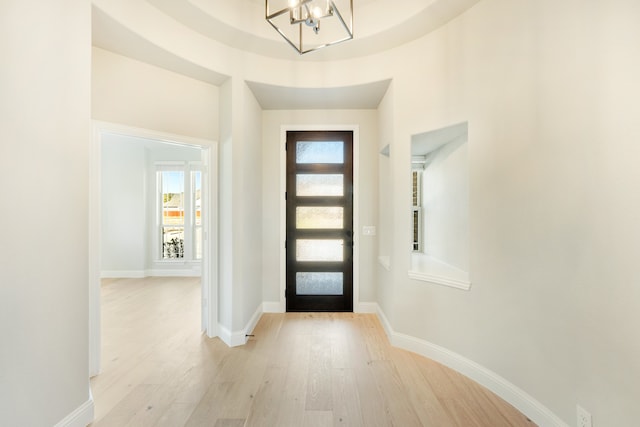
[319, 221]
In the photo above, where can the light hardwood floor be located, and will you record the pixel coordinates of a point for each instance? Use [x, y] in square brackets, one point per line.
[307, 369]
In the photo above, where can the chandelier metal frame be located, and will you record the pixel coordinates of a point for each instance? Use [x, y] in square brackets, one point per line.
[302, 15]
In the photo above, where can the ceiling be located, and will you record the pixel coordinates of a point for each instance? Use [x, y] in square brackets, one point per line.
[358, 97]
[424, 143]
[379, 25]
[109, 34]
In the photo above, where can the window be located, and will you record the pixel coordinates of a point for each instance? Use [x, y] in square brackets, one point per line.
[417, 210]
[172, 223]
[179, 211]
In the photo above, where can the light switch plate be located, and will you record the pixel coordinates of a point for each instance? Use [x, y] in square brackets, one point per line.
[369, 230]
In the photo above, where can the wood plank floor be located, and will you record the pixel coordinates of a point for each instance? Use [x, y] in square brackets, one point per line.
[300, 369]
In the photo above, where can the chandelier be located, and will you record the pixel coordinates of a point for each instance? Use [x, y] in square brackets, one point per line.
[309, 25]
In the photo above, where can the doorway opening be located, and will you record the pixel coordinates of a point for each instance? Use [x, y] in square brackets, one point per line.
[152, 214]
[319, 221]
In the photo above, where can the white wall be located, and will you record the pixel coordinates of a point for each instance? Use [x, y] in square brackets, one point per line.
[386, 127]
[248, 199]
[272, 191]
[240, 261]
[130, 92]
[45, 130]
[549, 89]
[123, 204]
[445, 201]
[225, 235]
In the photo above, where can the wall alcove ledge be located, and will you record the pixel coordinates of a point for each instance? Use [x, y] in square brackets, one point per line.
[432, 270]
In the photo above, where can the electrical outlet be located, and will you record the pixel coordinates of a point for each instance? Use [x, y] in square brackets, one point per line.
[584, 418]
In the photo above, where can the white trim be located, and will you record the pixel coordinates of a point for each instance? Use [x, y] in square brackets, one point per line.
[517, 397]
[356, 214]
[209, 262]
[366, 307]
[232, 340]
[173, 273]
[123, 274]
[429, 269]
[210, 243]
[170, 165]
[237, 338]
[283, 215]
[356, 202]
[140, 274]
[81, 417]
[94, 253]
[440, 280]
[165, 137]
[385, 324]
[273, 307]
[254, 320]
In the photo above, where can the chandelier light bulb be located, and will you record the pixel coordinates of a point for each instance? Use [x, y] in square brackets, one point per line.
[316, 12]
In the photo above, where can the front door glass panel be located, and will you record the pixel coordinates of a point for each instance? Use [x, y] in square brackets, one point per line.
[320, 152]
[319, 217]
[319, 250]
[310, 283]
[319, 185]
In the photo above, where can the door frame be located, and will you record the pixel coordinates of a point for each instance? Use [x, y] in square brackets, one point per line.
[283, 207]
[209, 267]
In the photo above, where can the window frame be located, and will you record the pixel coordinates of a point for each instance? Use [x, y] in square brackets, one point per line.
[189, 211]
[194, 220]
[417, 211]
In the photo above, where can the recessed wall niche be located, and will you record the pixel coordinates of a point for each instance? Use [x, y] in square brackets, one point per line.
[440, 207]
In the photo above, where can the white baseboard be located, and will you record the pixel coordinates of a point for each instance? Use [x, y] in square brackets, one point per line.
[254, 320]
[122, 274]
[518, 398]
[232, 339]
[273, 307]
[366, 307]
[140, 274]
[237, 338]
[173, 273]
[81, 417]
